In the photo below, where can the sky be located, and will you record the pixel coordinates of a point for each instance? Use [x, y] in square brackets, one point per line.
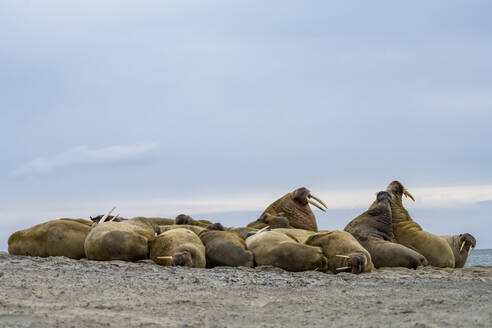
[217, 108]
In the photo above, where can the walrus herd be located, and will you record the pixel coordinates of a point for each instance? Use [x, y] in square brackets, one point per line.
[285, 235]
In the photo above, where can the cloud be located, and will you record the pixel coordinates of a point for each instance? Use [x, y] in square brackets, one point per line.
[84, 155]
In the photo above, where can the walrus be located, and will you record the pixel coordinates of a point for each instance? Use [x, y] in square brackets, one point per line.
[61, 237]
[373, 229]
[439, 251]
[285, 251]
[295, 207]
[188, 220]
[196, 229]
[225, 248]
[271, 220]
[343, 252]
[126, 240]
[178, 247]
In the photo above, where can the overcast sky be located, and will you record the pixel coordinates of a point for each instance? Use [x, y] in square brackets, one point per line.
[203, 107]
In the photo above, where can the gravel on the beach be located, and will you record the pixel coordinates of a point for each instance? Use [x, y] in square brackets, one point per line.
[60, 292]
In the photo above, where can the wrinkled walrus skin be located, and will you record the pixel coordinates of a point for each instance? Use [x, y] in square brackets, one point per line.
[285, 251]
[342, 251]
[182, 245]
[225, 248]
[373, 229]
[62, 237]
[294, 206]
[409, 233]
[126, 240]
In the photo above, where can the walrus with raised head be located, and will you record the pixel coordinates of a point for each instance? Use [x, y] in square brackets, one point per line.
[62, 237]
[225, 248]
[373, 229]
[343, 252]
[294, 206]
[127, 240]
[285, 251]
[446, 251]
[178, 247]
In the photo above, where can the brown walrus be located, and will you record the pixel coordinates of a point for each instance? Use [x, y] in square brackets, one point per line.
[343, 252]
[62, 237]
[126, 240]
[373, 229]
[225, 248]
[243, 232]
[178, 247]
[294, 206]
[439, 251]
[285, 251]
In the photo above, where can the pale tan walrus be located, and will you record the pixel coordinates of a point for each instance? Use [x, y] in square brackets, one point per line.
[439, 251]
[62, 237]
[126, 240]
[343, 252]
[178, 247]
[285, 251]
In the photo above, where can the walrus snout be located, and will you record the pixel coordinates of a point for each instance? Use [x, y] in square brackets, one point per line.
[357, 262]
[182, 259]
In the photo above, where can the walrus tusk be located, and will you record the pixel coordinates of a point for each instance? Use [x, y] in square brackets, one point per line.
[342, 268]
[262, 229]
[310, 201]
[462, 244]
[343, 256]
[319, 200]
[107, 214]
[115, 217]
[469, 249]
[408, 194]
[164, 257]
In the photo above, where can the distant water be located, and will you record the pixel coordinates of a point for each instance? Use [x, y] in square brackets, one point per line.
[480, 257]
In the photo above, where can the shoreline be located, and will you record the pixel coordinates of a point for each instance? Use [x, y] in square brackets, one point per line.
[58, 291]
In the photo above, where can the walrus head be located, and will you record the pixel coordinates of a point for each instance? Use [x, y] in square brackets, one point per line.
[396, 189]
[185, 219]
[467, 242]
[383, 196]
[294, 206]
[274, 221]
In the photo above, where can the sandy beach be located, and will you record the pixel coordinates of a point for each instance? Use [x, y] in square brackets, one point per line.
[59, 292]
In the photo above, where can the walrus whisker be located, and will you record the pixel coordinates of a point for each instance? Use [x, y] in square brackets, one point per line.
[408, 194]
[164, 257]
[343, 256]
[106, 215]
[319, 200]
[310, 201]
[462, 244]
[115, 217]
[262, 229]
[342, 268]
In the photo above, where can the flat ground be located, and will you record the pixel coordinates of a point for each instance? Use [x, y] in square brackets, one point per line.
[59, 292]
